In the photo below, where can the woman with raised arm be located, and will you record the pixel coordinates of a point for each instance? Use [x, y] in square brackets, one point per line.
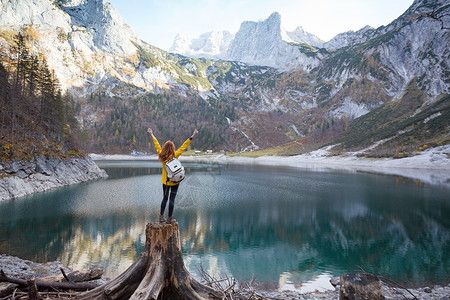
[166, 153]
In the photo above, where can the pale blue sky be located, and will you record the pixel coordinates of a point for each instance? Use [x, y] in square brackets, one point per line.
[158, 21]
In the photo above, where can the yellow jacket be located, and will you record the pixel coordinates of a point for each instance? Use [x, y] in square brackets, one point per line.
[177, 154]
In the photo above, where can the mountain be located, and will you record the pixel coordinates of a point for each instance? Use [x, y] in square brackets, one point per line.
[92, 25]
[76, 31]
[387, 80]
[415, 45]
[89, 47]
[271, 88]
[349, 38]
[210, 45]
[299, 35]
[264, 43]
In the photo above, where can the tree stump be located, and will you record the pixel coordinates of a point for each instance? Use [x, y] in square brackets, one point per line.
[158, 273]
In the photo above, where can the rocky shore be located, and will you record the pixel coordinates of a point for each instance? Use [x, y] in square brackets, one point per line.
[16, 267]
[22, 178]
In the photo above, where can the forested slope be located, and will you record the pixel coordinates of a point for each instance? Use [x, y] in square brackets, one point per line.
[36, 117]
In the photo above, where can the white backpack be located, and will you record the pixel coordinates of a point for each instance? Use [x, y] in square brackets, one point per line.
[175, 171]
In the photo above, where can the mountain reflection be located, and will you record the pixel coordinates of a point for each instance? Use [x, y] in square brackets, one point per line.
[281, 225]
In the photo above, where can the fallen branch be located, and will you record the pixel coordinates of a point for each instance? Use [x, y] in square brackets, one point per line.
[78, 276]
[64, 274]
[46, 284]
[391, 283]
[230, 288]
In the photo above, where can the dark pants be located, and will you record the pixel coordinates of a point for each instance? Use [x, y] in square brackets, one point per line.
[172, 189]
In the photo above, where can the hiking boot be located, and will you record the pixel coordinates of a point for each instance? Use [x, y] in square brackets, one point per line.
[162, 219]
[171, 220]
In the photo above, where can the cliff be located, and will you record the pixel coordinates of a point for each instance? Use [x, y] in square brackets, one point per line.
[22, 178]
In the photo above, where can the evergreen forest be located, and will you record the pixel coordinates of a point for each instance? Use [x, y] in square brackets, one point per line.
[36, 117]
[117, 125]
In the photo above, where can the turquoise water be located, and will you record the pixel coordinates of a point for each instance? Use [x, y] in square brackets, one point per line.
[288, 228]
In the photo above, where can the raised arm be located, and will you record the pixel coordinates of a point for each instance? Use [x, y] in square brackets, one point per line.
[194, 134]
[155, 141]
[185, 144]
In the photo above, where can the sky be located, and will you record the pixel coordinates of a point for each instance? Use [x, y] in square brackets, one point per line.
[158, 21]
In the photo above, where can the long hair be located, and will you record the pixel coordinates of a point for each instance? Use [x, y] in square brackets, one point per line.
[167, 152]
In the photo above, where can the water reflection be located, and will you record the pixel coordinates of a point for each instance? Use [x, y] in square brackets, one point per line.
[289, 228]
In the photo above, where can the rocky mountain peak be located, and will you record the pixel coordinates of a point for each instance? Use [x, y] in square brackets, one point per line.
[213, 44]
[266, 43]
[271, 28]
[299, 35]
[110, 33]
[91, 25]
[263, 42]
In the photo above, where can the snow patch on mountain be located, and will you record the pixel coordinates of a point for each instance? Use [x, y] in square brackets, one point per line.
[350, 109]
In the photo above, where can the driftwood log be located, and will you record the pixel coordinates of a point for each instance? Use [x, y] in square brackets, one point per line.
[158, 273]
[47, 284]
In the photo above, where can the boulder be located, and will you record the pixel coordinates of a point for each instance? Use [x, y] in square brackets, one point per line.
[360, 286]
[335, 281]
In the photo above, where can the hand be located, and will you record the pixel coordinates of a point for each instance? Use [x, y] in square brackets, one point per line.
[195, 132]
[149, 130]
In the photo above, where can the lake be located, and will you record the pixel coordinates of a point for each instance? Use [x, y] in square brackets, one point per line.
[289, 228]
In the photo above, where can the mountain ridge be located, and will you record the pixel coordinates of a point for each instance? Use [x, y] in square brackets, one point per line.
[311, 100]
[248, 45]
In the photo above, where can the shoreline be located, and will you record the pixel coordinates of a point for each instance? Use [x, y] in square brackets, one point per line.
[21, 268]
[432, 166]
[22, 178]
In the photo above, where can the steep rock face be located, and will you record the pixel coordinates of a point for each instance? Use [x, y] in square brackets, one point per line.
[89, 46]
[212, 44]
[419, 46]
[369, 70]
[415, 45]
[79, 39]
[262, 43]
[38, 12]
[92, 22]
[109, 32]
[22, 178]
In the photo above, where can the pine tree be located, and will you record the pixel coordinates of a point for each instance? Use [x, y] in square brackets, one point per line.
[5, 91]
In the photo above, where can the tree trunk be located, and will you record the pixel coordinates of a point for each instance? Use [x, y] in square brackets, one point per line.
[158, 273]
[32, 290]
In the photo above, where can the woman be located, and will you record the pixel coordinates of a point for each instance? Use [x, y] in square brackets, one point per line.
[164, 154]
